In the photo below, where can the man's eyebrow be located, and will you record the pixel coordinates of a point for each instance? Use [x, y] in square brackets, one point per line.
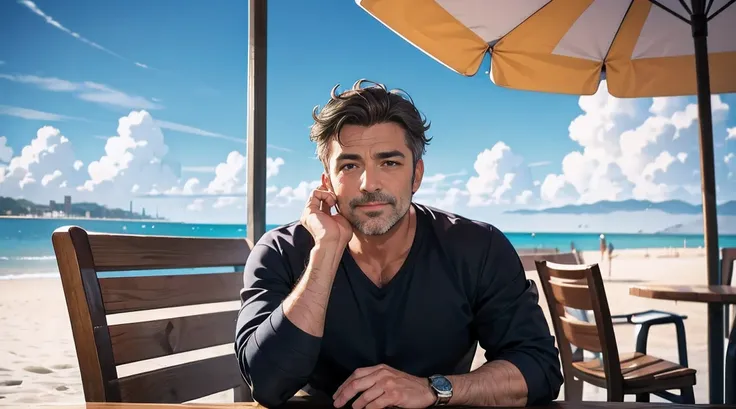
[348, 156]
[379, 155]
[389, 154]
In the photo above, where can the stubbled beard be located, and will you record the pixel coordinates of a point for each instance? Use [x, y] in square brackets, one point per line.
[378, 222]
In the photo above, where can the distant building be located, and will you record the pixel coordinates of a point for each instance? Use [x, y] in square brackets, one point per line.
[68, 205]
[52, 205]
[131, 207]
[144, 212]
[87, 214]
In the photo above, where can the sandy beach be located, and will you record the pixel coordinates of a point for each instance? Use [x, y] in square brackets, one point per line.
[38, 360]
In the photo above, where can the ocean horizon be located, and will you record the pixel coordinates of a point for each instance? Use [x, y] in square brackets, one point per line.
[26, 250]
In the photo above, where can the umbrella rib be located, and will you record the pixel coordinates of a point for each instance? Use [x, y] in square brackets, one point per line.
[631, 3]
[684, 5]
[493, 43]
[710, 4]
[665, 8]
[721, 9]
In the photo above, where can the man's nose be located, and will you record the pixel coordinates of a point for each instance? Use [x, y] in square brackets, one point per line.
[370, 181]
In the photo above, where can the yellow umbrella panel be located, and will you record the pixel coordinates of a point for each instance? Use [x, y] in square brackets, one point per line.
[563, 46]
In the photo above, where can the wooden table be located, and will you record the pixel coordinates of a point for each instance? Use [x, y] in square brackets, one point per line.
[716, 296]
[300, 404]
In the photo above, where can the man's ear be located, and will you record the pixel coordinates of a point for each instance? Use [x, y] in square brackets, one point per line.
[418, 174]
[326, 182]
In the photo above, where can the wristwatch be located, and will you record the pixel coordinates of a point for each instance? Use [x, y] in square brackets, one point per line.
[441, 387]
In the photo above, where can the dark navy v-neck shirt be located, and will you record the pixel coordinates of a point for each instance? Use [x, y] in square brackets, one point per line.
[462, 284]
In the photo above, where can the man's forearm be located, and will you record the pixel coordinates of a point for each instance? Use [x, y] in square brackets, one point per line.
[496, 383]
[306, 306]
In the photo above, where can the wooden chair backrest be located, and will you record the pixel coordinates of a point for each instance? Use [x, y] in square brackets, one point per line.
[528, 259]
[101, 348]
[728, 256]
[577, 286]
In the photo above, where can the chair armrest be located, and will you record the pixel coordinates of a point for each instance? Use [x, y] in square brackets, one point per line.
[654, 317]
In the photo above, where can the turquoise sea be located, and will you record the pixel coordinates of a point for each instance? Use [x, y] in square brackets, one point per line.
[26, 251]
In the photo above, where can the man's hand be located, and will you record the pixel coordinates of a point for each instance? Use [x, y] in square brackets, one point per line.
[382, 386]
[324, 226]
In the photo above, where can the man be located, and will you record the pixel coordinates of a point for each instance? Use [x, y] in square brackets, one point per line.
[376, 301]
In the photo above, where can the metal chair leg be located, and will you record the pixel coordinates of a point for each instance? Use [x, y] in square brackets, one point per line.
[731, 367]
[688, 397]
[681, 343]
[642, 397]
[641, 334]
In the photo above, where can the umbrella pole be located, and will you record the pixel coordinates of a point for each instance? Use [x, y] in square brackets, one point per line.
[708, 186]
[256, 120]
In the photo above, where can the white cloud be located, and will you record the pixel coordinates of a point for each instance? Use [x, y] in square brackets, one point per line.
[32, 114]
[196, 131]
[730, 161]
[731, 133]
[231, 175]
[196, 206]
[198, 169]
[135, 164]
[6, 152]
[53, 22]
[629, 152]
[134, 161]
[501, 177]
[540, 163]
[43, 170]
[288, 194]
[87, 90]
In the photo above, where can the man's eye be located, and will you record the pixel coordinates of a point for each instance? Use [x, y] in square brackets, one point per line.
[347, 166]
[391, 163]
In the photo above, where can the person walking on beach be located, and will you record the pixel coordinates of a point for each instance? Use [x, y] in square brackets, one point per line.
[610, 257]
[603, 246]
[373, 299]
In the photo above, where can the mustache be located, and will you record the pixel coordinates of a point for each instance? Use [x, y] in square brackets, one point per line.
[373, 197]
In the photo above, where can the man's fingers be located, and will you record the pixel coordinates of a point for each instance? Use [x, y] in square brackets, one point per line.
[383, 401]
[319, 198]
[358, 373]
[359, 381]
[368, 396]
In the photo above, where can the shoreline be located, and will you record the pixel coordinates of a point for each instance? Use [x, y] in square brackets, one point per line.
[83, 218]
[275, 225]
[589, 257]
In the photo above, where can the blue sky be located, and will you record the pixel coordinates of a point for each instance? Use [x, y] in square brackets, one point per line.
[177, 74]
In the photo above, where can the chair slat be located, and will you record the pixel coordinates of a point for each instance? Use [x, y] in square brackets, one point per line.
[125, 294]
[182, 383]
[581, 334]
[572, 295]
[728, 257]
[117, 252]
[529, 258]
[152, 339]
[567, 271]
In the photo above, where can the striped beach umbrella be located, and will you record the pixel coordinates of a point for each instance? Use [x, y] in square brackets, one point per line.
[643, 48]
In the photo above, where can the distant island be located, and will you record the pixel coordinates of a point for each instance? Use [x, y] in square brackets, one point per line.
[10, 207]
[607, 206]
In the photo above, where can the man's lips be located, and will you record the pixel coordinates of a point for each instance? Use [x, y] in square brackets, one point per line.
[372, 205]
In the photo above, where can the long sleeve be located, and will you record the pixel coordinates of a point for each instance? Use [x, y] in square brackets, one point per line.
[276, 357]
[511, 325]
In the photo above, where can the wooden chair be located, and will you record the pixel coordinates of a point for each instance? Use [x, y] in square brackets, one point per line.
[101, 348]
[728, 257]
[581, 287]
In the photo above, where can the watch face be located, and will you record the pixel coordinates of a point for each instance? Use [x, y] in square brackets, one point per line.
[441, 384]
